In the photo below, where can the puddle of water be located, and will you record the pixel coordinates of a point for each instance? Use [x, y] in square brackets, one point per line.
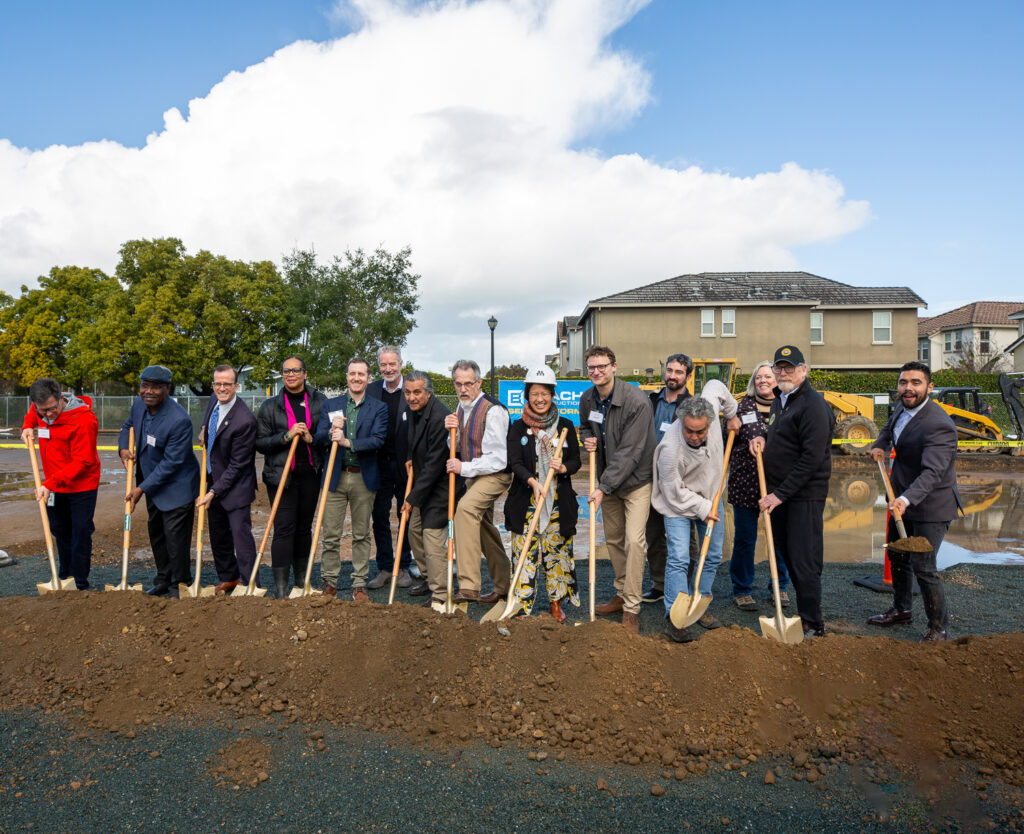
[13, 481]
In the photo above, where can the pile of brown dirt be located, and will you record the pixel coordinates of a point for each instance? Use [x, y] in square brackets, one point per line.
[124, 660]
[911, 544]
[243, 762]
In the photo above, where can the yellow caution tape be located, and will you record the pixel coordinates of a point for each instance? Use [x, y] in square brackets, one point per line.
[98, 448]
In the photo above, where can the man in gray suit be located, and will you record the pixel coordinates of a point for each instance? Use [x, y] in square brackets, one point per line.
[924, 483]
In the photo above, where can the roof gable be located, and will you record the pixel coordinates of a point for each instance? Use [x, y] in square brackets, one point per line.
[975, 314]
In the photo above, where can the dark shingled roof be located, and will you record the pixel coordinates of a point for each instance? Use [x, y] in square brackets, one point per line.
[712, 287]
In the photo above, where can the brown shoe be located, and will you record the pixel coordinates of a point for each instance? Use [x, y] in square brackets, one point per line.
[631, 621]
[226, 587]
[613, 606]
[328, 590]
[935, 635]
[557, 613]
[491, 598]
[420, 589]
[360, 595]
[467, 596]
[891, 617]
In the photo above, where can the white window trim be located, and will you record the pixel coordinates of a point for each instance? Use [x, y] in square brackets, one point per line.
[733, 334]
[710, 335]
[821, 341]
[875, 341]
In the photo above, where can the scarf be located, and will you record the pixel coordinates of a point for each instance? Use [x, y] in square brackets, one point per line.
[540, 421]
[292, 421]
[763, 405]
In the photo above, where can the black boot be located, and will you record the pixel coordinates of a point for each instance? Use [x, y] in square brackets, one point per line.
[300, 571]
[281, 584]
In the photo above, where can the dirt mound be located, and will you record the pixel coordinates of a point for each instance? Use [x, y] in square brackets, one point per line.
[595, 692]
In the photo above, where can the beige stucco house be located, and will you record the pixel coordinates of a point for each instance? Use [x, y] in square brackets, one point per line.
[976, 337]
[746, 316]
[1016, 348]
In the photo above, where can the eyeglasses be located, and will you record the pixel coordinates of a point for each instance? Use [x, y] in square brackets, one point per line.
[224, 384]
[461, 385]
[46, 412]
[593, 369]
[783, 369]
[291, 371]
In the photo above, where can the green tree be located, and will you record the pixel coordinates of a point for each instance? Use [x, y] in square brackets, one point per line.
[53, 330]
[194, 312]
[350, 307]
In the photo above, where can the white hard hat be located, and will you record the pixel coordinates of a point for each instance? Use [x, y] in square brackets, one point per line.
[542, 375]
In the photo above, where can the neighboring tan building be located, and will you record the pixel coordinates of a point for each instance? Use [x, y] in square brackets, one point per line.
[976, 337]
[746, 316]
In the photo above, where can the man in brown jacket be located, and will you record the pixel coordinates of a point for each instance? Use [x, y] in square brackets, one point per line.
[616, 421]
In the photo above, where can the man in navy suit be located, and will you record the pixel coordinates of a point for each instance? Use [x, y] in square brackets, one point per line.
[924, 483]
[229, 434]
[359, 425]
[391, 465]
[166, 472]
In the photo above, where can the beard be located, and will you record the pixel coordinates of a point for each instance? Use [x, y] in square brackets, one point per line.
[911, 400]
[787, 387]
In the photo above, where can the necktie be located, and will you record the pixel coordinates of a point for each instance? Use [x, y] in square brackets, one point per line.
[901, 424]
[210, 435]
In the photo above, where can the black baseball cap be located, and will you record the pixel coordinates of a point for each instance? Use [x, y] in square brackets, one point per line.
[790, 354]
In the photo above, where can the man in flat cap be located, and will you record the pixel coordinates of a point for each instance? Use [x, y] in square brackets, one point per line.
[166, 472]
[798, 464]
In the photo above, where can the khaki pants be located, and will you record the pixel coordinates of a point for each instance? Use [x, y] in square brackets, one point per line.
[351, 493]
[430, 549]
[475, 533]
[625, 523]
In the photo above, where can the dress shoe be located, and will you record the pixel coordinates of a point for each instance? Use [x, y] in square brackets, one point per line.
[404, 579]
[420, 589]
[158, 590]
[653, 595]
[678, 635]
[491, 598]
[611, 607]
[379, 581]
[225, 587]
[328, 590]
[891, 617]
[935, 635]
[631, 621]
[812, 631]
[557, 613]
[360, 595]
[467, 596]
[708, 621]
[745, 602]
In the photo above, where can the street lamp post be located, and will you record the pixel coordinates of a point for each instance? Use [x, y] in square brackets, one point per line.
[492, 322]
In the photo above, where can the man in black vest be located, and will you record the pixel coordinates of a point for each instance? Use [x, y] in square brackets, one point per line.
[924, 482]
[229, 434]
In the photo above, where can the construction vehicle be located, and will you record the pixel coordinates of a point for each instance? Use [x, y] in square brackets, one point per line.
[724, 370]
[971, 415]
[1009, 387]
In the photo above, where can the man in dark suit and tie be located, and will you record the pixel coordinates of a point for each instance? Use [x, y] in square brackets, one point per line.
[229, 434]
[166, 472]
[392, 458]
[358, 425]
[924, 483]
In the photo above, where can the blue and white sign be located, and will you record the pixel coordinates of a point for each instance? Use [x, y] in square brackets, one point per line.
[567, 397]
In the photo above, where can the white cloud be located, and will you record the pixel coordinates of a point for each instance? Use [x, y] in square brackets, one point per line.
[453, 127]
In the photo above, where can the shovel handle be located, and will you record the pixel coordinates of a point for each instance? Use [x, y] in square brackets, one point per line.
[320, 507]
[273, 512]
[42, 512]
[401, 533]
[714, 506]
[897, 517]
[593, 538]
[449, 604]
[770, 542]
[199, 527]
[129, 486]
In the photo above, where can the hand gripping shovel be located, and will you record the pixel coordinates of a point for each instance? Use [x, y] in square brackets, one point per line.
[401, 534]
[896, 517]
[788, 630]
[449, 606]
[593, 537]
[688, 608]
[503, 611]
[250, 590]
[55, 583]
[194, 590]
[307, 589]
[123, 584]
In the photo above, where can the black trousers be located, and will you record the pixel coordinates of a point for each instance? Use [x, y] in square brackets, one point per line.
[392, 488]
[293, 524]
[170, 536]
[71, 522]
[905, 566]
[234, 550]
[798, 530]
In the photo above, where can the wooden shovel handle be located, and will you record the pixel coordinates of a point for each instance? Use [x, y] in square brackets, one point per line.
[593, 538]
[714, 505]
[321, 505]
[42, 512]
[896, 515]
[402, 522]
[129, 486]
[273, 512]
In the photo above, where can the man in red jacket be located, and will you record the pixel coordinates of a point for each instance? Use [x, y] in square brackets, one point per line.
[67, 429]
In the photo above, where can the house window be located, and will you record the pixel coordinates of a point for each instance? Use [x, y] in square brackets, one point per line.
[881, 328]
[924, 350]
[817, 328]
[985, 345]
[728, 322]
[707, 322]
[954, 340]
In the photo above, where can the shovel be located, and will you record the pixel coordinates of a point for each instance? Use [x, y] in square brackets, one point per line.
[688, 608]
[593, 536]
[788, 630]
[194, 590]
[55, 583]
[512, 604]
[250, 590]
[123, 584]
[450, 606]
[896, 517]
[307, 589]
[401, 533]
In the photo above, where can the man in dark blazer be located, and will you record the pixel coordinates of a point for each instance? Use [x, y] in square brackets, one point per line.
[924, 483]
[166, 472]
[229, 434]
[359, 426]
[392, 457]
[427, 503]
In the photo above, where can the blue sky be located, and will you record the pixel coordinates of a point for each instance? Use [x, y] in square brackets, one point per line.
[914, 108]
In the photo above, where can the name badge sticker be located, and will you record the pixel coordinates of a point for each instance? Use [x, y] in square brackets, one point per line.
[596, 417]
[665, 426]
[404, 415]
[748, 418]
[44, 434]
[337, 415]
[151, 440]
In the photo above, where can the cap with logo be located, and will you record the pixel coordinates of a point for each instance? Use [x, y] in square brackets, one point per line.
[790, 354]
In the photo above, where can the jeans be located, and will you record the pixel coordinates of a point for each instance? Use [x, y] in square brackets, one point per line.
[677, 533]
[72, 527]
[744, 542]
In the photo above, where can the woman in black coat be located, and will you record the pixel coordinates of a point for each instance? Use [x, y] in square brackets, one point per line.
[531, 443]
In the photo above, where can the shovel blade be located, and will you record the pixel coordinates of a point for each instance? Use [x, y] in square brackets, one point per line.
[191, 591]
[501, 611]
[208, 591]
[791, 633]
[688, 608]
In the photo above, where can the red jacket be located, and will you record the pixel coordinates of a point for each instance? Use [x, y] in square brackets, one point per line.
[70, 460]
